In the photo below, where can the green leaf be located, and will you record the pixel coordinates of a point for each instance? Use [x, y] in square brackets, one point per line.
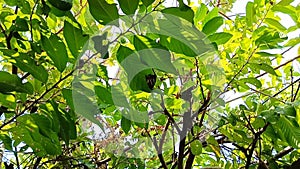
[139, 82]
[100, 45]
[266, 54]
[43, 123]
[123, 52]
[211, 14]
[177, 46]
[7, 141]
[147, 2]
[64, 5]
[285, 2]
[269, 38]
[67, 94]
[8, 100]
[56, 50]
[275, 24]
[212, 25]
[196, 147]
[201, 13]
[251, 80]
[11, 2]
[173, 103]
[220, 38]
[58, 12]
[289, 9]
[22, 134]
[290, 111]
[67, 125]
[36, 132]
[177, 29]
[258, 123]
[128, 6]
[250, 14]
[125, 124]
[184, 12]
[104, 95]
[293, 42]
[26, 64]
[10, 83]
[86, 107]
[151, 55]
[102, 11]
[263, 66]
[290, 132]
[139, 66]
[143, 42]
[119, 97]
[74, 38]
[21, 24]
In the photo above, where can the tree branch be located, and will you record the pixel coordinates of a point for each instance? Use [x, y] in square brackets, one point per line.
[296, 93]
[37, 162]
[296, 81]
[37, 100]
[256, 137]
[239, 71]
[190, 160]
[282, 153]
[287, 62]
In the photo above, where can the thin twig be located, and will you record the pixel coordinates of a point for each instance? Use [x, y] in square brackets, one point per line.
[282, 153]
[17, 157]
[30, 19]
[37, 100]
[199, 79]
[296, 81]
[3, 31]
[270, 96]
[239, 71]
[224, 15]
[287, 62]
[296, 93]
[292, 78]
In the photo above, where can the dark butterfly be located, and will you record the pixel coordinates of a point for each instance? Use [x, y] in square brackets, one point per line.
[151, 79]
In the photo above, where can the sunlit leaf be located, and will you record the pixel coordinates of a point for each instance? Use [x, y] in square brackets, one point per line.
[196, 147]
[25, 63]
[265, 67]
[74, 38]
[250, 80]
[220, 38]
[285, 2]
[56, 50]
[212, 25]
[250, 14]
[274, 23]
[201, 12]
[293, 42]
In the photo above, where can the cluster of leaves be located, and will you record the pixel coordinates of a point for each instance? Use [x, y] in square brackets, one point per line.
[51, 81]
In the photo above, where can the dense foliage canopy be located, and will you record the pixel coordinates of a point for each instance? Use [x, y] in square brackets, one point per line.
[149, 84]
